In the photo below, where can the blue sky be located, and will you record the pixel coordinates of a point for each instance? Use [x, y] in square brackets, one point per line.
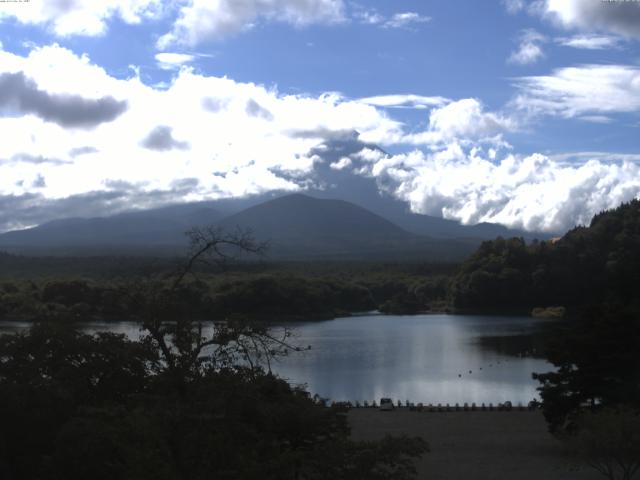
[519, 112]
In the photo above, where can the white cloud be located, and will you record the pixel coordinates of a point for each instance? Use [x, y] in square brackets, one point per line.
[532, 193]
[80, 17]
[405, 101]
[371, 16]
[582, 157]
[514, 6]
[596, 119]
[196, 126]
[618, 17]
[368, 17]
[465, 120]
[202, 20]
[173, 61]
[529, 50]
[204, 137]
[583, 90]
[405, 20]
[589, 42]
[341, 164]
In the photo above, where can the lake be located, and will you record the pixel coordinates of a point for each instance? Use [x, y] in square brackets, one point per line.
[420, 358]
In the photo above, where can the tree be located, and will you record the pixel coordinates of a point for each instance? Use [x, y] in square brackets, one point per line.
[609, 442]
[597, 364]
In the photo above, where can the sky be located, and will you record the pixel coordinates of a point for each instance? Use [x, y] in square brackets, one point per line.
[519, 112]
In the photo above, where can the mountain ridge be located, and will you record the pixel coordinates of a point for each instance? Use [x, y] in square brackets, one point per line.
[298, 226]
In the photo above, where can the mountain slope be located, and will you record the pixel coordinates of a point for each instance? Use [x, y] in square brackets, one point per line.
[300, 226]
[127, 229]
[301, 216]
[297, 227]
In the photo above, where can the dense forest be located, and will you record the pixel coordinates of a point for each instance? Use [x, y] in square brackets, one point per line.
[594, 264]
[255, 291]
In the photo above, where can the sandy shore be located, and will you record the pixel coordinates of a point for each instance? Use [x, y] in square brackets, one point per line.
[476, 445]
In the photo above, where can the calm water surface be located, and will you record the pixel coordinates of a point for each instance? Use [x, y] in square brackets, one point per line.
[421, 358]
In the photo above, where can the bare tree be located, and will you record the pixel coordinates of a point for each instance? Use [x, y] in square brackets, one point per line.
[188, 346]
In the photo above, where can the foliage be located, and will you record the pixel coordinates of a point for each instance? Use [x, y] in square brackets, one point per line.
[76, 406]
[279, 293]
[588, 265]
[609, 442]
[597, 364]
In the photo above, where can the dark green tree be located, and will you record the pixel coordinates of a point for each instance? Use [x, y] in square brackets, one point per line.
[597, 364]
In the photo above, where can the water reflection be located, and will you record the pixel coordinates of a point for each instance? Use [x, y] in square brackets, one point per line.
[423, 358]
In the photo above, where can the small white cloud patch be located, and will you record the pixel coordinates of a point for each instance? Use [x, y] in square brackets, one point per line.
[589, 42]
[344, 162]
[173, 61]
[529, 50]
[406, 20]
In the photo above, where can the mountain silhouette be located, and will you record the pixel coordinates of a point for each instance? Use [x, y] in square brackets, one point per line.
[296, 226]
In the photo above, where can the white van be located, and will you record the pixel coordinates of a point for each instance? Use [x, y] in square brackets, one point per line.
[386, 404]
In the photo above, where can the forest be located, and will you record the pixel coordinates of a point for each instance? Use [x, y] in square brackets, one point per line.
[599, 263]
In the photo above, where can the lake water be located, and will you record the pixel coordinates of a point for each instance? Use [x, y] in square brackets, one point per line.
[420, 358]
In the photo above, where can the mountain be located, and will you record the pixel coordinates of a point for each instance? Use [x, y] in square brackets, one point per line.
[299, 216]
[297, 227]
[134, 229]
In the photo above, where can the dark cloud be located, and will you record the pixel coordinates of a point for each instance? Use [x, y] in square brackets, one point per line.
[161, 139]
[22, 95]
[254, 109]
[76, 152]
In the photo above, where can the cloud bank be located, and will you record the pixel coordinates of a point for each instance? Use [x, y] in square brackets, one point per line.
[205, 137]
[534, 193]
